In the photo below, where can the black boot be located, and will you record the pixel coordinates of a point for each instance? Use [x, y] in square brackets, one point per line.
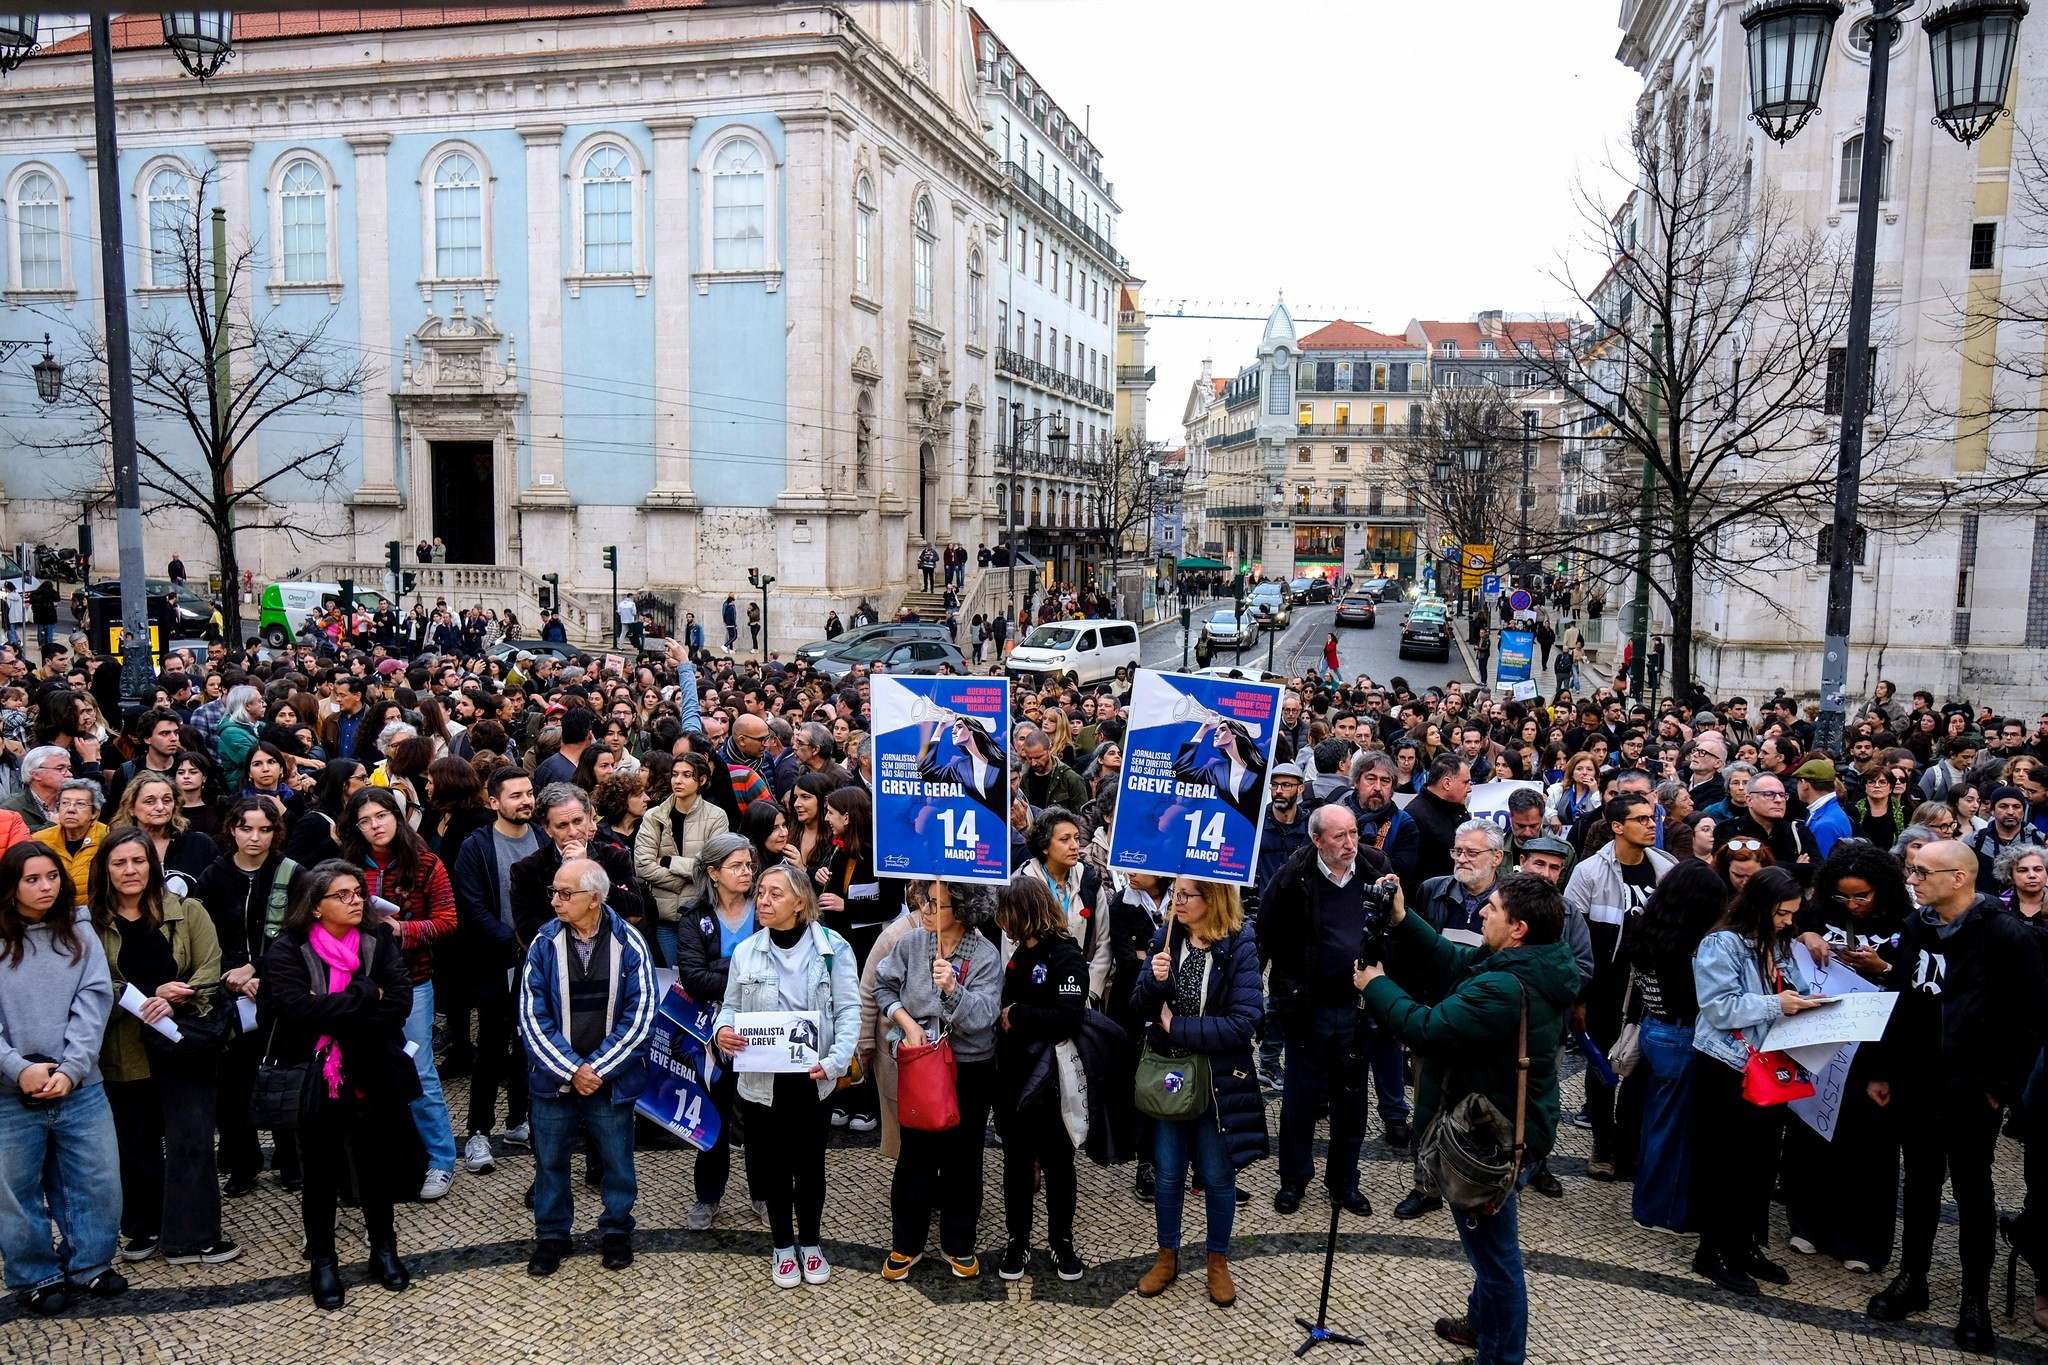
[387, 1269]
[1724, 1272]
[1146, 1185]
[1973, 1327]
[326, 1283]
[1903, 1297]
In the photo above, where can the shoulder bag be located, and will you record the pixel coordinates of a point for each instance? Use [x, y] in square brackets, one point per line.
[1773, 1077]
[1627, 1051]
[928, 1086]
[1174, 1087]
[282, 1096]
[1470, 1149]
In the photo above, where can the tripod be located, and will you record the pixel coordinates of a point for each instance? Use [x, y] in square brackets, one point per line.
[1317, 1331]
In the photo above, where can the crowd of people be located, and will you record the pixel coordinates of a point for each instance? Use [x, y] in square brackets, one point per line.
[254, 925]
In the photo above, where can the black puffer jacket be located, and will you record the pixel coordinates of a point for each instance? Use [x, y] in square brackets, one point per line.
[1969, 1012]
[1224, 1031]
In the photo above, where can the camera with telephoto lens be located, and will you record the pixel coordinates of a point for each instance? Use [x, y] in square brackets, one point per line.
[1378, 903]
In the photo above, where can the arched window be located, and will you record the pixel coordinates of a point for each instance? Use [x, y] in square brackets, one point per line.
[739, 207]
[169, 196]
[607, 212]
[302, 213]
[38, 233]
[864, 235]
[1851, 187]
[977, 290]
[1034, 507]
[927, 247]
[458, 218]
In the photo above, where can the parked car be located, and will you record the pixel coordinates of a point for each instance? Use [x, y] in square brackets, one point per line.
[540, 649]
[1309, 591]
[1426, 635]
[195, 609]
[860, 635]
[1075, 651]
[919, 655]
[1227, 630]
[1357, 609]
[1232, 673]
[1270, 604]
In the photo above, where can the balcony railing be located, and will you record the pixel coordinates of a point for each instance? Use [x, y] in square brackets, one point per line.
[1323, 509]
[1046, 377]
[1136, 374]
[1236, 511]
[1068, 219]
[1077, 463]
[1234, 438]
[1359, 430]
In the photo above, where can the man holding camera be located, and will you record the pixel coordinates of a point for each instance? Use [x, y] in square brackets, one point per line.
[1311, 921]
[1472, 1042]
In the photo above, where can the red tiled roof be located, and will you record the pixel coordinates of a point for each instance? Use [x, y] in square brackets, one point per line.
[1220, 385]
[1349, 336]
[1468, 335]
[134, 31]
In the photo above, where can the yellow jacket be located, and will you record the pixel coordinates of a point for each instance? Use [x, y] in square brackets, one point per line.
[78, 864]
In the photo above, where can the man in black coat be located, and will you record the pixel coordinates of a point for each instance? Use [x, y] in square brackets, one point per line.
[1311, 923]
[569, 830]
[1438, 809]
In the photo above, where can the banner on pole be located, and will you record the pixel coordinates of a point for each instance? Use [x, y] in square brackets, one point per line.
[942, 778]
[681, 1065]
[1517, 648]
[1192, 795]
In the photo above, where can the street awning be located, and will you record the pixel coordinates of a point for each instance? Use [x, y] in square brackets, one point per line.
[1198, 562]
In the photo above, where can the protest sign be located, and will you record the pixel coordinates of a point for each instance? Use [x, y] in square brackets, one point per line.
[777, 1040]
[1489, 800]
[1192, 794]
[1822, 1110]
[1857, 1017]
[942, 785]
[681, 1065]
[1517, 647]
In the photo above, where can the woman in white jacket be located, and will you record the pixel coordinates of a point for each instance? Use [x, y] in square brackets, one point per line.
[670, 837]
[792, 963]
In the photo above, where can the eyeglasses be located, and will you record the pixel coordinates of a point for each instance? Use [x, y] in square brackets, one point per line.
[556, 893]
[1756, 795]
[1467, 855]
[1640, 820]
[1915, 874]
[344, 897]
[1745, 845]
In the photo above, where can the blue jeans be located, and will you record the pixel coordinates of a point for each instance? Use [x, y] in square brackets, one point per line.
[1498, 1307]
[665, 938]
[59, 1163]
[1174, 1143]
[430, 1110]
[558, 1122]
[1664, 1168]
[1389, 1071]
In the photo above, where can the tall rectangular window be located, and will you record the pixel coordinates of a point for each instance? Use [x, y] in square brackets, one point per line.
[1832, 404]
[1984, 246]
[37, 219]
[303, 209]
[739, 207]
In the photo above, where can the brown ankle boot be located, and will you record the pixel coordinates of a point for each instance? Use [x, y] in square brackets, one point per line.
[1222, 1289]
[1164, 1272]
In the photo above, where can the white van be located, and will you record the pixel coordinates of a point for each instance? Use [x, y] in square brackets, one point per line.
[284, 607]
[1075, 651]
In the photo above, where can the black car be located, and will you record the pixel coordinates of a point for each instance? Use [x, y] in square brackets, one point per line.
[1381, 589]
[1428, 637]
[1309, 591]
[918, 655]
[1357, 609]
[860, 635]
[195, 609]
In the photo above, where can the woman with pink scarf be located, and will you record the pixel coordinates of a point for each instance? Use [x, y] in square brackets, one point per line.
[336, 989]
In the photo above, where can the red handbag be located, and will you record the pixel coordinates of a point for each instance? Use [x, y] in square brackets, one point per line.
[1774, 1078]
[927, 1086]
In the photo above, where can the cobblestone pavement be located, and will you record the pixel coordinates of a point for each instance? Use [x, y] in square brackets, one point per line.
[1601, 1290]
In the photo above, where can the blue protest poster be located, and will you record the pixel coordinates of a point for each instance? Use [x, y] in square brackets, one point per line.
[942, 778]
[1193, 792]
[680, 1068]
[1516, 649]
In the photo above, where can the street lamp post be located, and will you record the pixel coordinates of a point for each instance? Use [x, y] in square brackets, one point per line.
[202, 40]
[1972, 44]
[1057, 439]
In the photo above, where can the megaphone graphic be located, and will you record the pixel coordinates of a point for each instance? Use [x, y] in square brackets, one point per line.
[924, 711]
[1187, 708]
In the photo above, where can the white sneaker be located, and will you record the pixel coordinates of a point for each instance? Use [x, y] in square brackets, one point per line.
[522, 1136]
[816, 1270]
[863, 1123]
[1804, 1247]
[840, 1118]
[436, 1185]
[783, 1265]
[1856, 1267]
[476, 1154]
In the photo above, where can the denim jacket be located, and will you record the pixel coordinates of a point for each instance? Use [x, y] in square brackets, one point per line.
[1735, 1008]
[752, 986]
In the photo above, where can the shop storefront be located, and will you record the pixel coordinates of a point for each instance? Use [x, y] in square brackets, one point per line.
[1318, 549]
[1388, 552]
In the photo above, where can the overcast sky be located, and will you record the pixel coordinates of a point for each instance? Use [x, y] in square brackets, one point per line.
[1377, 159]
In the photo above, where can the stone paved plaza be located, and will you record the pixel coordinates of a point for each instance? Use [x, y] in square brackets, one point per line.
[1601, 1290]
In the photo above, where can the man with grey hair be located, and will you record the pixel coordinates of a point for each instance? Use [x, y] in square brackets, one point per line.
[44, 770]
[1704, 757]
[1381, 823]
[1048, 781]
[815, 752]
[569, 830]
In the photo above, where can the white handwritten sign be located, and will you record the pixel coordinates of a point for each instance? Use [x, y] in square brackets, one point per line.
[1829, 1063]
[777, 1040]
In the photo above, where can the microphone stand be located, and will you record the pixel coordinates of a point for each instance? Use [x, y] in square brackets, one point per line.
[1319, 1330]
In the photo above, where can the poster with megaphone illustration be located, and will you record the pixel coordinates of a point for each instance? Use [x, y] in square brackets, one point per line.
[1192, 796]
[942, 777]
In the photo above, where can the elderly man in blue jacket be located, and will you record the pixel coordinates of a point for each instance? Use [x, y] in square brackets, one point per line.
[586, 1011]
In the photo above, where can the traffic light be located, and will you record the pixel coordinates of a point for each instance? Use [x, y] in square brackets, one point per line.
[406, 581]
[551, 593]
[611, 558]
[753, 578]
[85, 542]
[391, 556]
[348, 596]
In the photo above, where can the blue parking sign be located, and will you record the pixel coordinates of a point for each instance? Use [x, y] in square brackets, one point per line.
[1490, 585]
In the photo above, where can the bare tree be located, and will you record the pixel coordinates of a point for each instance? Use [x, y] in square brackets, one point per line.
[1461, 466]
[209, 375]
[1127, 487]
[1713, 356]
[2009, 327]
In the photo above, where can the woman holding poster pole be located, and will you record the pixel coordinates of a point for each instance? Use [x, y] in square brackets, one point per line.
[941, 985]
[1202, 995]
[718, 922]
[792, 964]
